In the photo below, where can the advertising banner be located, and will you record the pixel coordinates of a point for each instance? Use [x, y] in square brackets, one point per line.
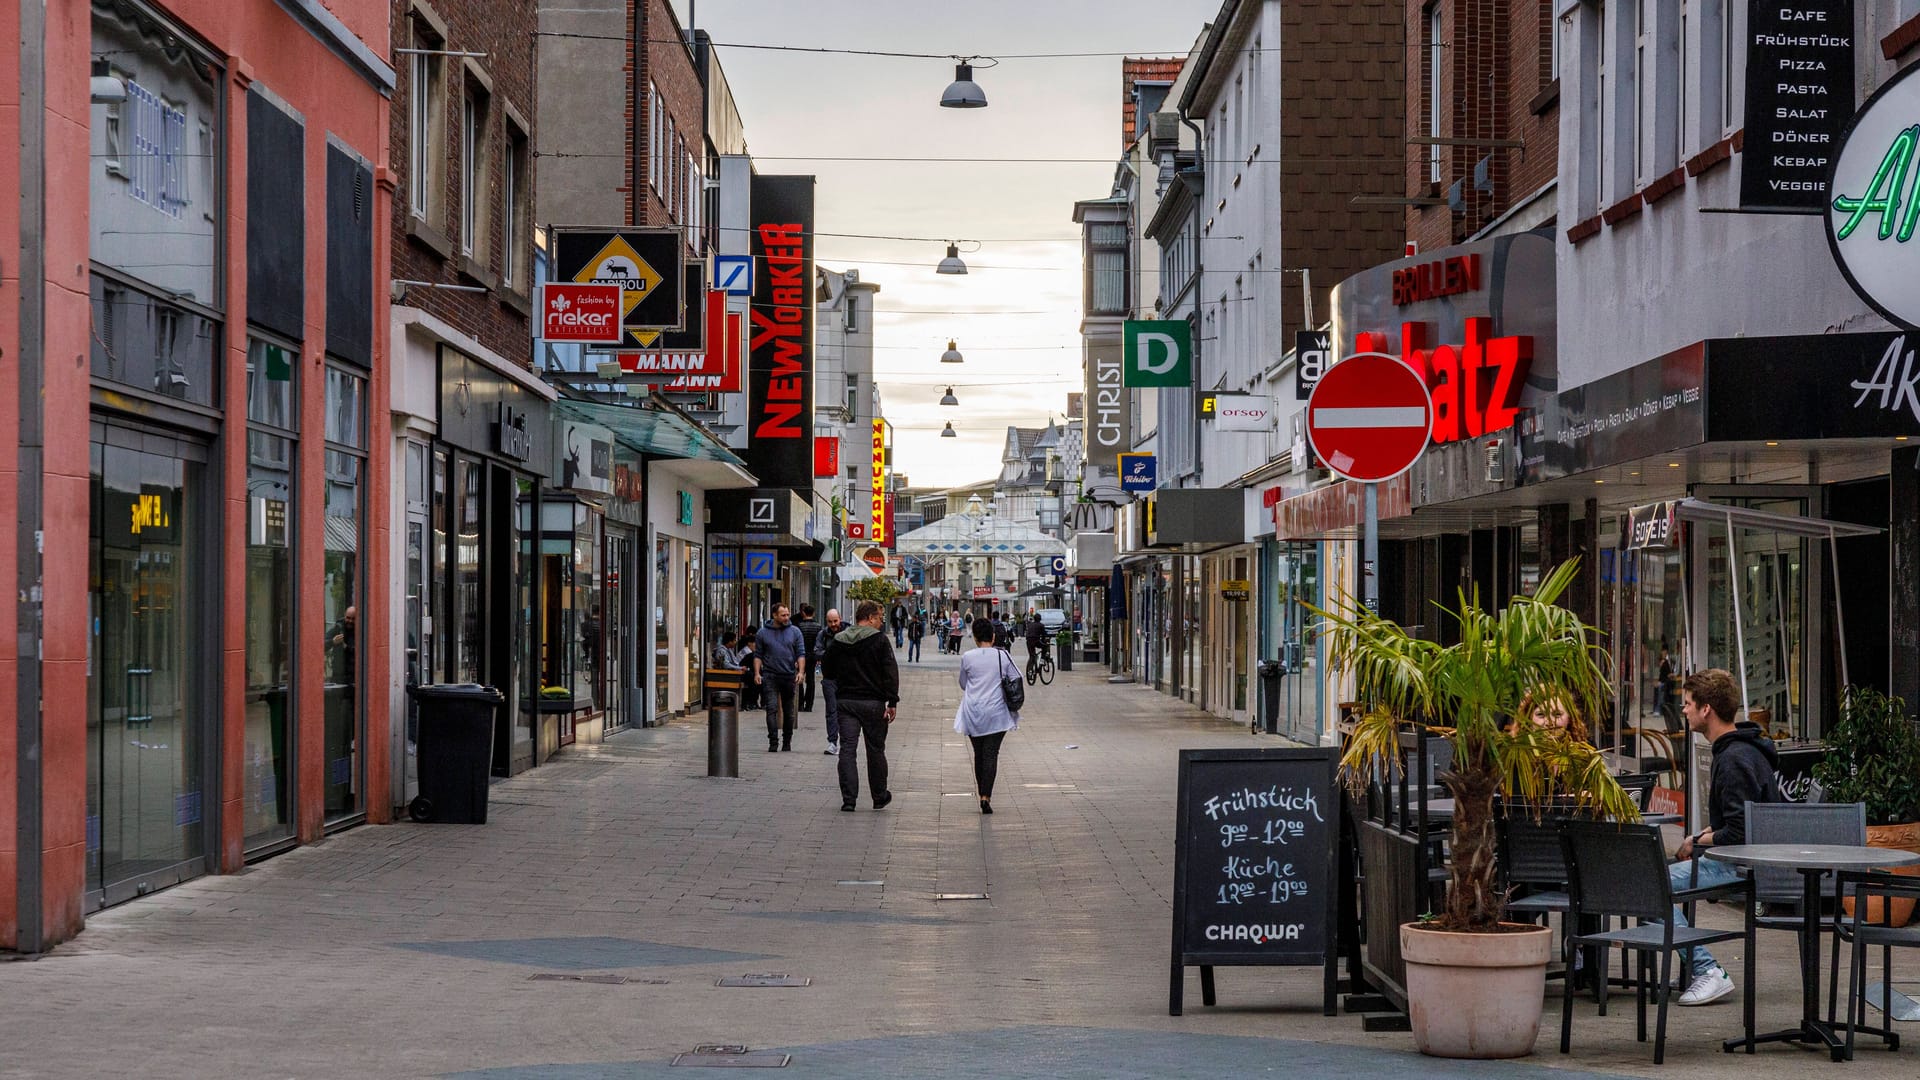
[1799, 99]
[645, 263]
[826, 456]
[1876, 204]
[1157, 352]
[780, 348]
[877, 520]
[1138, 473]
[580, 314]
[1109, 412]
[1312, 351]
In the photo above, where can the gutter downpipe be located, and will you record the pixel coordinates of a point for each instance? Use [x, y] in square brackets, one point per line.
[32, 272]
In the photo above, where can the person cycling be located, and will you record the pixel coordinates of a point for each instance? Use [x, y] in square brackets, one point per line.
[1036, 639]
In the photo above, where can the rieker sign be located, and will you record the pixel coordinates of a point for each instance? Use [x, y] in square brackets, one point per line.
[580, 314]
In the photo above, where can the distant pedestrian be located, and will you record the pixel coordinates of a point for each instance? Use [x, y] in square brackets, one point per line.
[863, 671]
[723, 654]
[984, 717]
[831, 692]
[815, 637]
[956, 627]
[916, 629]
[899, 620]
[780, 660]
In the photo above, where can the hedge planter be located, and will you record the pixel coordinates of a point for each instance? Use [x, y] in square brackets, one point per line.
[1476, 995]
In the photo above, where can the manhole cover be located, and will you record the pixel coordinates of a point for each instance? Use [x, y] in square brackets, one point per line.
[603, 980]
[732, 1057]
[778, 980]
[959, 896]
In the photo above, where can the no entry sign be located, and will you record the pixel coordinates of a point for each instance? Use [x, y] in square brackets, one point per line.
[1369, 416]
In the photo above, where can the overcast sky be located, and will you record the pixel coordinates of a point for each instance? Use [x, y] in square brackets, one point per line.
[1016, 313]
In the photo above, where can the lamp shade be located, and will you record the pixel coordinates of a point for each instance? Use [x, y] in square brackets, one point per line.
[948, 432]
[949, 399]
[109, 89]
[951, 264]
[952, 355]
[963, 92]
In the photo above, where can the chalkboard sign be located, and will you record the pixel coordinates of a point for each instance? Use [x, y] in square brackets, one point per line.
[1254, 864]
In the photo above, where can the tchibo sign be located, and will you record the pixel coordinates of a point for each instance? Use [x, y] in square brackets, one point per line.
[1873, 208]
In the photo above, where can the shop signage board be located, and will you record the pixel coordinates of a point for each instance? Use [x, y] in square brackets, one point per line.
[644, 263]
[1368, 418]
[1875, 205]
[759, 565]
[826, 456]
[511, 437]
[693, 334]
[1312, 352]
[1138, 473]
[733, 274]
[780, 369]
[1254, 865]
[1157, 352]
[1237, 590]
[877, 519]
[1241, 412]
[1656, 525]
[1109, 414]
[582, 457]
[875, 558]
[1799, 96]
[580, 314]
[723, 565]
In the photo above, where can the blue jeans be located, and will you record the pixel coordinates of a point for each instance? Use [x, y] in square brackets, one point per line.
[1711, 872]
[913, 649]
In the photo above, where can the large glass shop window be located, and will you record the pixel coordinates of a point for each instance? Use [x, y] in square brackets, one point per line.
[342, 592]
[267, 766]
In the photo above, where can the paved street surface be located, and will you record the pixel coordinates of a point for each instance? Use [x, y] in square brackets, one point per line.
[411, 950]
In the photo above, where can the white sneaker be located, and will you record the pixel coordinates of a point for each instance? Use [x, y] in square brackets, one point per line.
[1708, 988]
[833, 749]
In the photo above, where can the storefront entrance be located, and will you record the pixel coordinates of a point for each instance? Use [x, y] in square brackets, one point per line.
[150, 690]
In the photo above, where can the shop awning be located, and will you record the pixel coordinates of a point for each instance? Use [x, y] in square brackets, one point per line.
[1760, 520]
[653, 431]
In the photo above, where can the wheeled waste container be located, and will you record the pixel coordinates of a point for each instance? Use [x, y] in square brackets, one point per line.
[1270, 672]
[455, 751]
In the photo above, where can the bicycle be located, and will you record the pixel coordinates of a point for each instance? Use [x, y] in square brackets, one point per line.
[1040, 668]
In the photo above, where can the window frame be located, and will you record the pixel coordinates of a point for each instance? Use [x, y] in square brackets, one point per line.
[514, 165]
[426, 123]
[1436, 90]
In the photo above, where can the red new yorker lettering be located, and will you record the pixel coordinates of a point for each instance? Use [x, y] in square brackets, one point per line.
[782, 330]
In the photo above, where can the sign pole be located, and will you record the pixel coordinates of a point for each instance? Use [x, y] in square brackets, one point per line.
[1370, 551]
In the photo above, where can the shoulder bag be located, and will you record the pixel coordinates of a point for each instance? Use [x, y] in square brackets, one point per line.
[1013, 689]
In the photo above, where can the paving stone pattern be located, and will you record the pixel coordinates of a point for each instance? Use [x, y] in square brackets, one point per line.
[409, 950]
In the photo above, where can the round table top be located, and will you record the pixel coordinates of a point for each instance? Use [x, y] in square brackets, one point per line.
[1813, 856]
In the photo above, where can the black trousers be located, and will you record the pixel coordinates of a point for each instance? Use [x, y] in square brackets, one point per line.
[986, 761]
[806, 689]
[777, 693]
[866, 719]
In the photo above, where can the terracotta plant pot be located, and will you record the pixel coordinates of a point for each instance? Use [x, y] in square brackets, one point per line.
[1475, 995]
[1896, 838]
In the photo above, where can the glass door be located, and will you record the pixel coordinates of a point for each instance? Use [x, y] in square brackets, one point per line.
[614, 609]
[696, 631]
[148, 703]
[662, 587]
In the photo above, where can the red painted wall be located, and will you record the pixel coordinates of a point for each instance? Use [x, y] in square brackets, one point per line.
[260, 42]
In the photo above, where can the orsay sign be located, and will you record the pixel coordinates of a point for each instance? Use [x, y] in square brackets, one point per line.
[1874, 208]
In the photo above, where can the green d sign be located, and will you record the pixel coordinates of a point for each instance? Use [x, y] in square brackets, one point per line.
[1158, 352]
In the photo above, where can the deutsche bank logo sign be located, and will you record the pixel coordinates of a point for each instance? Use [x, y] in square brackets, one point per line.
[762, 512]
[760, 566]
[733, 274]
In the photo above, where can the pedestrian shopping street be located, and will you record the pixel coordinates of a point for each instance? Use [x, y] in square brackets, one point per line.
[415, 950]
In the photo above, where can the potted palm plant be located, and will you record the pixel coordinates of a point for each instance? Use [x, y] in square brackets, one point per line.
[1475, 981]
[1873, 757]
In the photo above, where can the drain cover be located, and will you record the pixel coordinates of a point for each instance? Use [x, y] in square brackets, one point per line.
[732, 1057]
[778, 980]
[872, 881]
[960, 896]
[603, 980]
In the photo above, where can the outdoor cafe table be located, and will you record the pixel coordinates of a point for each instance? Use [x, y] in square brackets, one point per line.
[1811, 861]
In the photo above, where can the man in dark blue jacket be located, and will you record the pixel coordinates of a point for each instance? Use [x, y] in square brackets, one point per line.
[1743, 771]
[780, 659]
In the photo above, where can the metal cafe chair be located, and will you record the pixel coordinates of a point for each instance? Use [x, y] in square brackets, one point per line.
[1865, 887]
[1620, 871]
[1801, 823]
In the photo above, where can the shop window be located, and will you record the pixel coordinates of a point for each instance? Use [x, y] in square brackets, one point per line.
[343, 594]
[267, 768]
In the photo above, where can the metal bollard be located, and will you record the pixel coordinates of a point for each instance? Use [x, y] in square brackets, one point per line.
[723, 734]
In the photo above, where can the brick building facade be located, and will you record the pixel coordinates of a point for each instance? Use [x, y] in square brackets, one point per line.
[1481, 80]
[455, 224]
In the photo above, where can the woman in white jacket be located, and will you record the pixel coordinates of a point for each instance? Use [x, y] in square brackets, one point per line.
[984, 717]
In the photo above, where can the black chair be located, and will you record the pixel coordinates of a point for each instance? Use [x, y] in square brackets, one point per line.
[1621, 871]
[1532, 861]
[1640, 786]
[1865, 888]
[1783, 888]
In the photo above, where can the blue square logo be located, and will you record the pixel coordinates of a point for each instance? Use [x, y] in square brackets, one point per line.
[733, 274]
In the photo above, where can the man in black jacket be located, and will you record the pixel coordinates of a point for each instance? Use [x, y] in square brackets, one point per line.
[812, 633]
[860, 662]
[1743, 771]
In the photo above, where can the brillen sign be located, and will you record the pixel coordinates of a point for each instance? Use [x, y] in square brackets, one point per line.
[1873, 209]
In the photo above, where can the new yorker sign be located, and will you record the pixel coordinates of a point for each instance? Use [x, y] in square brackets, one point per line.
[1799, 96]
[1874, 209]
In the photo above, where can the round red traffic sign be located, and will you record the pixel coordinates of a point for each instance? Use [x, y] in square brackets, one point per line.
[1369, 417]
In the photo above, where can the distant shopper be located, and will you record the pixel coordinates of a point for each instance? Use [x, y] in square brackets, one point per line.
[834, 626]
[956, 627]
[861, 665]
[984, 717]
[899, 621]
[815, 635]
[722, 655]
[1036, 638]
[1744, 764]
[780, 660]
[916, 629]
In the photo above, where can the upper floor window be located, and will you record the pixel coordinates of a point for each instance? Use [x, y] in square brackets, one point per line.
[1433, 54]
[475, 151]
[513, 216]
[1106, 285]
[426, 126]
[853, 312]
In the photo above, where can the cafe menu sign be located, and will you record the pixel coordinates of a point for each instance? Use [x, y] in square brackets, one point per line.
[1254, 864]
[1799, 97]
[1875, 205]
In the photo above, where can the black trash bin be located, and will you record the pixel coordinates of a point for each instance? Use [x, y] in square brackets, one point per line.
[1270, 672]
[455, 751]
